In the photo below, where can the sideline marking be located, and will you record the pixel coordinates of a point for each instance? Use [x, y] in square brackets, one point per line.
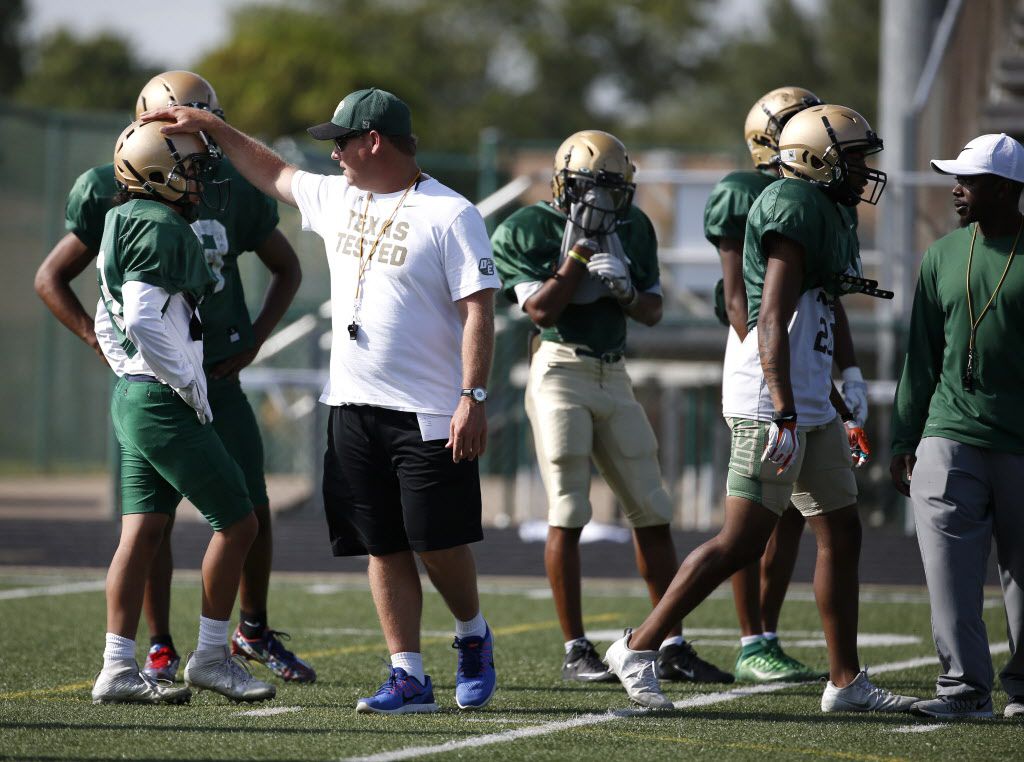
[919, 728]
[65, 589]
[40, 692]
[270, 711]
[705, 699]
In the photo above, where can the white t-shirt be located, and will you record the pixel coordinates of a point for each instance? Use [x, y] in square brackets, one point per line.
[745, 392]
[408, 354]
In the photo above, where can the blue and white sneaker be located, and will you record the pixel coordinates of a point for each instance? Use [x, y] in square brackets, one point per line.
[401, 693]
[475, 680]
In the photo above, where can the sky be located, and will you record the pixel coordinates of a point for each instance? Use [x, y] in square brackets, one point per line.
[179, 46]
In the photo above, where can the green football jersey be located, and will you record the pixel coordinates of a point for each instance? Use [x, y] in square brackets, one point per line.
[801, 212]
[148, 242]
[249, 218]
[527, 247]
[725, 214]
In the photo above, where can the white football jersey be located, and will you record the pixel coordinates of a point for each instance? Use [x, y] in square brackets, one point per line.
[745, 392]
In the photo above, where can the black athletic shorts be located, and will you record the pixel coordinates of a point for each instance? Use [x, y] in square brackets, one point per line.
[386, 490]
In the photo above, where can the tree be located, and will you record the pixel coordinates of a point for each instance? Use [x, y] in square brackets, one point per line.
[100, 72]
[12, 15]
[536, 68]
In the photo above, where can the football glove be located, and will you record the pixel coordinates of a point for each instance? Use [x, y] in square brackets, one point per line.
[783, 443]
[614, 274]
[197, 401]
[855, 394]
[860, 447]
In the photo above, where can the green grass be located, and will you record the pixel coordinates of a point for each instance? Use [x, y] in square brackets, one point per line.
[50, 649]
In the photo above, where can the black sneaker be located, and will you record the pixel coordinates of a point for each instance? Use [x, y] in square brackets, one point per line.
[584, 665]
[680, 662]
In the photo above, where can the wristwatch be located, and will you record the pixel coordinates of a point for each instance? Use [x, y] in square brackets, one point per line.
[477, 394]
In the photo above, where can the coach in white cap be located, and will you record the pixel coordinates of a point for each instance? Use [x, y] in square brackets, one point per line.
[958, 426]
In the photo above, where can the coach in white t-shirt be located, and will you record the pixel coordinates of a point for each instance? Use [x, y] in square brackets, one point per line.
[412, 298]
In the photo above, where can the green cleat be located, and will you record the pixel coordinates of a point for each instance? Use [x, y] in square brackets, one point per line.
[765, 662]
[800, 672]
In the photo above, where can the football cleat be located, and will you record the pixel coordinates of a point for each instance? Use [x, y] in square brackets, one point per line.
[269, 650]
[964, 707]
[762, 662]
[680, 662]
[798, 671]
[635, 669]
[126, 685]
[584, 665]
[863, 696]
[1014, 708]
[215, 670]
[162, 663]
[401, 693]
[475, 679]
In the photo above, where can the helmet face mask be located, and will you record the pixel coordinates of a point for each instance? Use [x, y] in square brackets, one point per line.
[827, 145]
[768, 117]
[592, 169]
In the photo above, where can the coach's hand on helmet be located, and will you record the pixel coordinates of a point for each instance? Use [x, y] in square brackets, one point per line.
[614, 273]
[184, 118]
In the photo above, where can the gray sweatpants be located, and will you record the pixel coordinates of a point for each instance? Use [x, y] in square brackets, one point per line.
[962, 496]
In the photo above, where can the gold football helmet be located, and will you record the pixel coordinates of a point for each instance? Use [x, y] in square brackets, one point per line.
[593, 158]
[150, 163]
[768, 116]
[178, 88]
[826, 145]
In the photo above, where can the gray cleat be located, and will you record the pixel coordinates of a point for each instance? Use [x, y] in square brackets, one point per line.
[125, 684]
[216, 670]
[635, 669]
[863, 696]
[964, 707]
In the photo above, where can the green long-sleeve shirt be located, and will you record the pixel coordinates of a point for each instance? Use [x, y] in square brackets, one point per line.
[930, 399]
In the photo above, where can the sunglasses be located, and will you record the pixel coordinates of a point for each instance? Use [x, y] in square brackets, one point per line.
[340, 143]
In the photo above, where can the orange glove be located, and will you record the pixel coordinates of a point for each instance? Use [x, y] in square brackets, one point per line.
[860, 447]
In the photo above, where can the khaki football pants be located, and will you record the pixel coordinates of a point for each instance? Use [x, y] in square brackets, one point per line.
[583, 409]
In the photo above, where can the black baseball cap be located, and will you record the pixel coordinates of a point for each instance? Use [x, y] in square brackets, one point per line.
[369, 109]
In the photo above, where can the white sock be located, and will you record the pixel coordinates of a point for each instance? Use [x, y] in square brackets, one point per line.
[748, 640]
[675, 640]
[475, 627]
[117, 649]
[213, 634]
[411, 662]
[771, 636]
[570, 643]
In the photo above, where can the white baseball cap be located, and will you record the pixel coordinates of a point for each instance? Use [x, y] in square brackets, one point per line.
[986, 155]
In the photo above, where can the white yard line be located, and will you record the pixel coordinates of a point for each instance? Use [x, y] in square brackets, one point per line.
[270, 711]
[703, 699]
[65, 589]
[919, 728]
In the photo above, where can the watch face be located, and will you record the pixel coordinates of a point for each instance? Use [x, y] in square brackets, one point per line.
[479, 394]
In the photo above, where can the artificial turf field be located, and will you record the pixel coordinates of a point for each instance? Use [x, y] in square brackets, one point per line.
[51, 640]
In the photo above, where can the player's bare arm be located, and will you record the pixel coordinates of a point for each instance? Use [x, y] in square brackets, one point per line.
[468, 434]
[285, 276]
[647, 310]
[257, 163]
[731, 252]
[901, 470]
[63, 264]
[782, 281]
[545, 306]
